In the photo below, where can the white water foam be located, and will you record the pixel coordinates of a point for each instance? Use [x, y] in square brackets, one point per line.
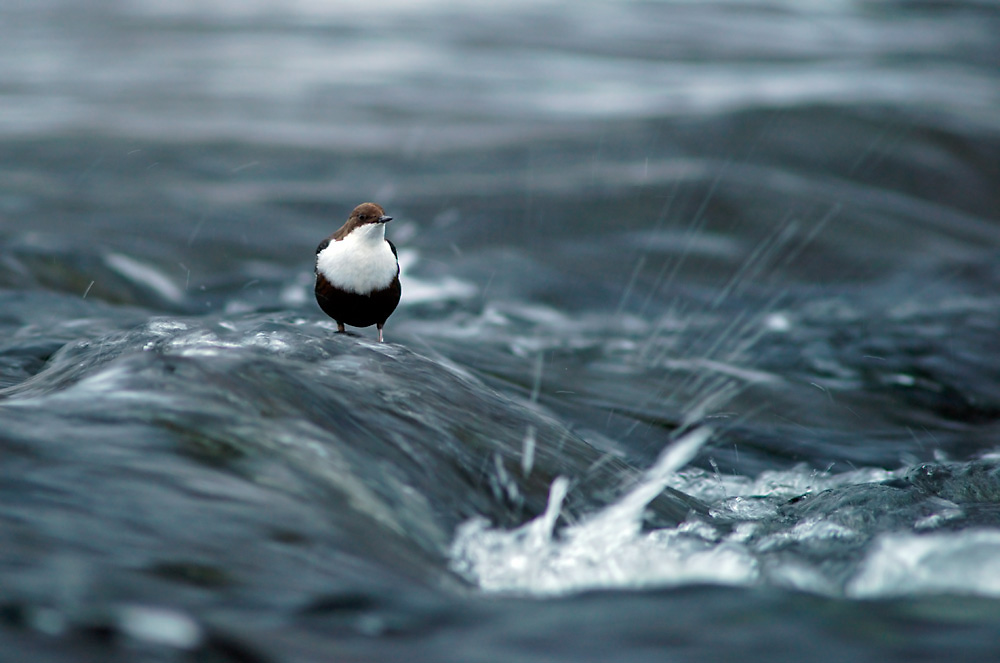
[756, 546]
[966, 562]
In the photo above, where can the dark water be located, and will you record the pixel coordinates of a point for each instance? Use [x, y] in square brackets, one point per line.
[727, 274]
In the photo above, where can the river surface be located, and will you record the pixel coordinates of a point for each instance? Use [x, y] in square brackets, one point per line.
[697, 356]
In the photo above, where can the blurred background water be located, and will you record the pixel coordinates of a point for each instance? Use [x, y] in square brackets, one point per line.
[696, 357]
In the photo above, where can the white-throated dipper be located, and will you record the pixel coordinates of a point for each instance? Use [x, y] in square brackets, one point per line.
[357, 272]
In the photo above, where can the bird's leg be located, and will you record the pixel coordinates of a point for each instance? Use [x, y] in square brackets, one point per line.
[340, 327]
[380, 333]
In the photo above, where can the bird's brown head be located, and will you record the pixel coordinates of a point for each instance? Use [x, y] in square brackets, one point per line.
[368, 213]
[363, 214]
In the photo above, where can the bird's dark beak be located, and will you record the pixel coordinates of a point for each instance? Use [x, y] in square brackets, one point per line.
[384, 219]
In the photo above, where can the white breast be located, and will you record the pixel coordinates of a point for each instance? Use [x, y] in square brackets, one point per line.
[361, 262]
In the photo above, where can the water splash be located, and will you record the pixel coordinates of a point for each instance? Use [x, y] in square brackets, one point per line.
[606, 550]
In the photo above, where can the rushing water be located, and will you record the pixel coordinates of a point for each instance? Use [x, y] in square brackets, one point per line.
[696, 358]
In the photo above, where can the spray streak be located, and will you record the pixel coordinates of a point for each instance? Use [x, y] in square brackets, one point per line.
[697, 223]
[528, 452]
[631, 284]
[536, 377]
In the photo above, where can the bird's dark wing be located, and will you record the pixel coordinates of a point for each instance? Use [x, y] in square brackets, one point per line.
[395, 255]
[322, 245]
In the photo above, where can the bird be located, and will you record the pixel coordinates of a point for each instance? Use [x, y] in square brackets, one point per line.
[357, 271]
